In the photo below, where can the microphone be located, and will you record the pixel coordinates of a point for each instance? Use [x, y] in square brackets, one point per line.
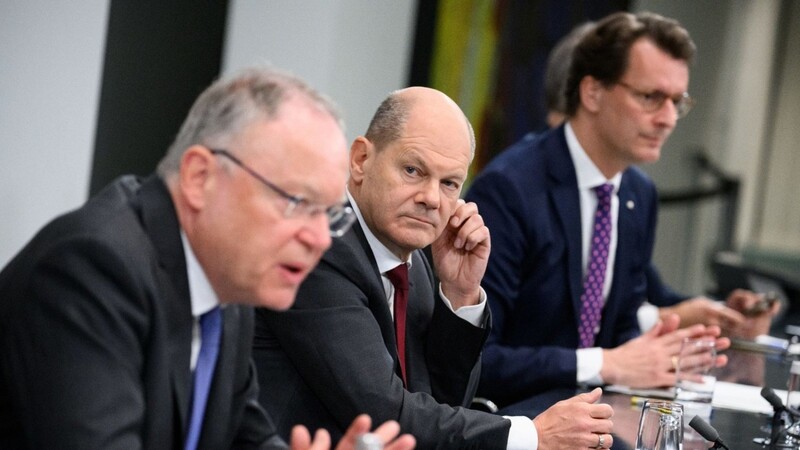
[773, 399]
[781, 420]
[708, 432]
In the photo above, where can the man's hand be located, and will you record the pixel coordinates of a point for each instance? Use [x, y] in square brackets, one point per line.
[759, 314]
[460, 255]
[703, 310]
[576, 422]
[649, 360]
[301, 439]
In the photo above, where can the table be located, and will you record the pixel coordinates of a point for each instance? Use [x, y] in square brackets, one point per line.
[736, 428]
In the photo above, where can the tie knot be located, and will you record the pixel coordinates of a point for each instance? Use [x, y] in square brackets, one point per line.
[603, 192]
[399, 277]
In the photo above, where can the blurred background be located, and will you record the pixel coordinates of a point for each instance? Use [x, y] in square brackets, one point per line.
[93, 89]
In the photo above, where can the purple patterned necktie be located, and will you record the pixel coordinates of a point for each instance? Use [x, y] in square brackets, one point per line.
[592, 297]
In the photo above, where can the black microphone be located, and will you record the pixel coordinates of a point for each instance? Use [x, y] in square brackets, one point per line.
[777, 405]
[708, 432]
[773, 399]
[781, 419]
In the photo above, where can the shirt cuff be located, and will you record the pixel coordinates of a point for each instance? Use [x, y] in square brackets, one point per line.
[648, 316]
[474, 314]
[522, 435]
[590, 361]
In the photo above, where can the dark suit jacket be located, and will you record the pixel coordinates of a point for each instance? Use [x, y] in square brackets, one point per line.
[658, 293]
[333, 355]
[528, 197]
[96, 330]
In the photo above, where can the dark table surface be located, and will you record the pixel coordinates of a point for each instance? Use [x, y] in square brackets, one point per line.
[736, 428]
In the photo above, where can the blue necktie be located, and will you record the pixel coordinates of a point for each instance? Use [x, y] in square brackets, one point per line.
[210, 330]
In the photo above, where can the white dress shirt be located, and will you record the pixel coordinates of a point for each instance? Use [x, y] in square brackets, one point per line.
[201, 294]
[590, 360]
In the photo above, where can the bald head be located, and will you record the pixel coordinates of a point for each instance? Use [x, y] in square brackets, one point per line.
[407, 172]
[418, 104]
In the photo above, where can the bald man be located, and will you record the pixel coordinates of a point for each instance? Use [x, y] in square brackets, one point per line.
[343, 348]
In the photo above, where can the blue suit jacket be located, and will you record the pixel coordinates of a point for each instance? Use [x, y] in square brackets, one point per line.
[528, 197]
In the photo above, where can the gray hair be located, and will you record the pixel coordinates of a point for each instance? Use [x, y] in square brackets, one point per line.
[227, 106]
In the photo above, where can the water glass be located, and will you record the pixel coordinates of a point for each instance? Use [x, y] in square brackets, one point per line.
[696, 360]
[660, 426]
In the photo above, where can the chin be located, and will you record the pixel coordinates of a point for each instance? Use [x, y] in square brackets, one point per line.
[648, 155]
[278, 300]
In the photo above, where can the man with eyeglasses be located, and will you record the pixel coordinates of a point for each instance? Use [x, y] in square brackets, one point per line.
[738, 315]
[127, 323]
[573, 222]
[377, 328]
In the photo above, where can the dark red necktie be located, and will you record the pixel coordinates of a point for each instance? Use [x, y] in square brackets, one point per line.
[399, 278]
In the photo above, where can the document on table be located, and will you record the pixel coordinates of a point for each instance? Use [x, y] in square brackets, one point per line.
[738, 397]
[742, 397]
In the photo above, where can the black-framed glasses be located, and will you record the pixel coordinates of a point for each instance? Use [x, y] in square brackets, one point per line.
[654, 100]
[340, 216]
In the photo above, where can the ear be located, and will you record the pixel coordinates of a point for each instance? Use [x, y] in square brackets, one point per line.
[592, 92]
[196, 176]
[361, 152]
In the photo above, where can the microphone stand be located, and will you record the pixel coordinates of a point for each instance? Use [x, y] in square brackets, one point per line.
[782, 421]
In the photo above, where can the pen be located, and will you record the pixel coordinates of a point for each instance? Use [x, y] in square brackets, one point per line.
[637, 401]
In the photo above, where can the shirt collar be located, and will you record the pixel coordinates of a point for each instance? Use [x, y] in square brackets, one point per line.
[385, 259]
[586, 171]
[201, 294]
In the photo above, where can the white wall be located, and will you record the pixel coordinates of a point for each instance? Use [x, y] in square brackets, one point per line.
[51, 60]
[50, 65]
[730, 80]
[779, 225]
[356, 51]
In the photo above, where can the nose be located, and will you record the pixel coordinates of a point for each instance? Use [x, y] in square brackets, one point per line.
[316, 233]
[667, 115]
[428, 195]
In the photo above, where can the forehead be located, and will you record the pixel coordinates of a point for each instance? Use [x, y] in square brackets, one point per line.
[649, 67]
[302, 146]
[436, 132]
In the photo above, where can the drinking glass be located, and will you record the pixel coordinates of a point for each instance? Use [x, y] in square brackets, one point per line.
[696, 360]
[660, 426]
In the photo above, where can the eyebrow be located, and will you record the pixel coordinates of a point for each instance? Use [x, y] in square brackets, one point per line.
[414, 157]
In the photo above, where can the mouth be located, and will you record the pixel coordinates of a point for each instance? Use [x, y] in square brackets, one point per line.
[294, 273]
[422, 219]
[655, 141]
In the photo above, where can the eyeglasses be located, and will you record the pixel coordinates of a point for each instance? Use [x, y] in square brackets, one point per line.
[340, 216]
[654, 100]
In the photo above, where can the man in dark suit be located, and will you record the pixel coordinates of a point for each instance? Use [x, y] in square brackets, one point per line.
[339, 349]
[661, 299]
[567, 273]
[111, 315]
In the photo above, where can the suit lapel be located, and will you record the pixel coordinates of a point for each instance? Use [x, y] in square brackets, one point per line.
[566, 201]
[629, 235]
[161, 223]
[353, 255]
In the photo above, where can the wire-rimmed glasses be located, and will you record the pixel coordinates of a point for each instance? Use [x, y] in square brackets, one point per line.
[652, 101]
[340, 216]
